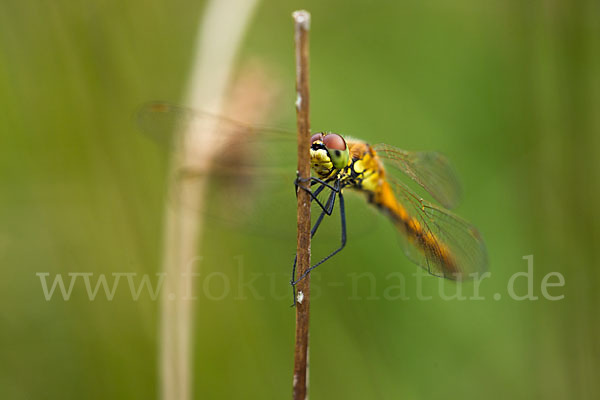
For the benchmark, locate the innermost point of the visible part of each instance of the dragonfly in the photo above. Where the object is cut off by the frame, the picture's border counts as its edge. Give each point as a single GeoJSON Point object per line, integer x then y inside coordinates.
{"type": "Point", "coordinates": [431, 236]}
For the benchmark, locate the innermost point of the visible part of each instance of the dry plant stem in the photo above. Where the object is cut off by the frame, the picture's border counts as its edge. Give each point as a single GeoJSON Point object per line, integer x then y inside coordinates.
{"type": "Point", "coordinates": [183, 223]}
{"type": "Point", "coordinates": [300, 379]}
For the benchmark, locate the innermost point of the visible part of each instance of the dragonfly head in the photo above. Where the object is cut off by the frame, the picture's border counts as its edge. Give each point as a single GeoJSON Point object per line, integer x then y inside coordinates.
{"type": "Point", "coordinates": [329, 151]}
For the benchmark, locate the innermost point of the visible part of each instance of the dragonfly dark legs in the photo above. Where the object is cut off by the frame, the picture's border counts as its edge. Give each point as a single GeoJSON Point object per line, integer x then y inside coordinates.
{"type": "Point", "coordinates": [326, 209]}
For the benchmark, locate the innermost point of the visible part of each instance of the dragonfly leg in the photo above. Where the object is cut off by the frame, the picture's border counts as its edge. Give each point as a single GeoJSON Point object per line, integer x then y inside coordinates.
{"type": "Point", "coordinates": [314, 194]}
{"type": "Point", "coordinates": [343, 241]}
{"type": "Point", "coordinates": [330, 203]}
{"type": "Point", "coordinates": [328, 209]}
{"type": "Point", "coordinates": [314, 180]}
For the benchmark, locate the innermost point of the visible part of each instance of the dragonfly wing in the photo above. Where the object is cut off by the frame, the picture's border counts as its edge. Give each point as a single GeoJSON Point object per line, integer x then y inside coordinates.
{"type": "Point", "coordinates": [443, 243]}
{"type": "Point", "coordinates": [431, 170]}
{"type": "Point", "coordinates": [252, 168]}
{"type": "Point", "coordinates": [241, 148]}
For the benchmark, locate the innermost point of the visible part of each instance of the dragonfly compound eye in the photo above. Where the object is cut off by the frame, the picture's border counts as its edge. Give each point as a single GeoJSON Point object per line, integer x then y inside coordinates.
{"type": "Point", "coordinates": [337, 149]}
{"type": "Point", "coordinates": [315, 137]}
{"type": "Point", "coordinates": [333, 141]}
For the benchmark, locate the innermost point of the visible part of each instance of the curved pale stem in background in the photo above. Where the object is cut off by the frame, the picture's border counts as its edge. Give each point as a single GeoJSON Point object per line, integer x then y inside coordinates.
{"type": "Point", "coordinates": [220, 33]}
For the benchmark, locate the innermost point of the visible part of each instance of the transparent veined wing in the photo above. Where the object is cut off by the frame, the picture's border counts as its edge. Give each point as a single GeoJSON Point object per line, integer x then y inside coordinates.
{"type": "Point", "coordinates": [239, 146]}
{"type": "Point", "coordinates": [252, 172]}
{"type": "Point", "coordinates": [431, 170]}
{"type": "Point", "coordinates": [434, 238]}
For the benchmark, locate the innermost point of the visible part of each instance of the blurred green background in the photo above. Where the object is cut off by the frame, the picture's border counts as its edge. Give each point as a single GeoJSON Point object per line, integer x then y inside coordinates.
{"type": "Point", "coordinates": [509, 90]}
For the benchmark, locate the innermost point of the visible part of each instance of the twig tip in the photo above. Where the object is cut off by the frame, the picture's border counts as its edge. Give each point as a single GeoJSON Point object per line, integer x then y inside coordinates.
{"type": "Point", "coordinates": [302, 18]}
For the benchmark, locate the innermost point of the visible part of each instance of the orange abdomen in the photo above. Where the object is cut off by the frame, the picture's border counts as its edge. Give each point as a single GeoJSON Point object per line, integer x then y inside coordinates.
{"type": "Point", "coordinates": [414, 230]}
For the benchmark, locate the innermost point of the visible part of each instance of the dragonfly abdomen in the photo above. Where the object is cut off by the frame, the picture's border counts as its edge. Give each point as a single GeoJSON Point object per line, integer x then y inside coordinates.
{"type": "Point", "coordinates": [415, 231]}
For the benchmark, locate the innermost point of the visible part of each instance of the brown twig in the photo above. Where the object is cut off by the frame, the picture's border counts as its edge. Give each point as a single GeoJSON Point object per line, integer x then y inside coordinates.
{"type": "Point", "coordinates": [302, 26]}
